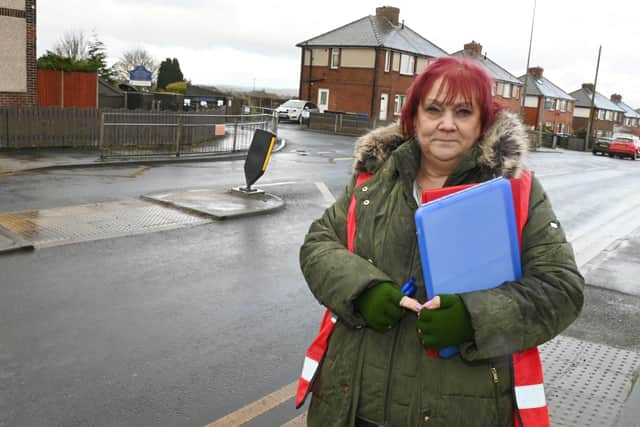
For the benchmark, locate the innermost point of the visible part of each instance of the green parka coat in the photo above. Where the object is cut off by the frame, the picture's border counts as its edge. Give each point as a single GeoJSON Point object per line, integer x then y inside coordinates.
{"type": "Point", "coordinates": [386, 378]}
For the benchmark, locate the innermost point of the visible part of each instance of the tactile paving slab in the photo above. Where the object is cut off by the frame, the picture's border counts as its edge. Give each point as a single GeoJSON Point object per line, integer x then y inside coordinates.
{"type": "Point", "coordinates": [586, 384]}
{"type": "Point", "coordinates": [60, 226]}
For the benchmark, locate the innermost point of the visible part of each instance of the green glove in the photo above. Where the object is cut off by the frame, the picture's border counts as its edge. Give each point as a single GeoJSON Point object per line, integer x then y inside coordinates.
{"type": "Point", "coordinates": [380, 306]}
{"type": "Point", "coordinates": [445, 326]}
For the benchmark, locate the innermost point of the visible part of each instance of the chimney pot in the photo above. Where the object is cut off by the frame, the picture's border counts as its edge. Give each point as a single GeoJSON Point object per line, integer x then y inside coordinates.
{"type": "Point", "coordinates": [588, 86]}
{"type": "Point", "coordinates": [389, 12]}
{"type": "Point", "coordinates": [536, 72]}
{"type": "Point", "coordinates": [473, 49]}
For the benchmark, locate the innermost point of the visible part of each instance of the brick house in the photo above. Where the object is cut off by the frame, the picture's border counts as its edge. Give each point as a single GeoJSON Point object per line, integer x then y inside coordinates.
{"type": "Point", "coordinates": [631, 121]}
{"type": "Point", "coordinates": [606, 114]}
{"type": "Point", "coordinates": [507, 88]}
{"type": "Point", "coordinates": [546, 103]}
{"type": "Point", "coordinates": [365, 67]}
{"type": "Point", "coordinates": [17, 53]}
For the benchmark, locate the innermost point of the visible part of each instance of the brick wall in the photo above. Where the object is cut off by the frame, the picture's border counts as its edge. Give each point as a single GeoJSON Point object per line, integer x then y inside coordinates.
{"type": "Point", "coordinates": [24, 98]}
{"type": "Point", "coordinates": [349, 88]}
{"type": "Point", "coordinates": [603, 125]}
{"type": "Point", "coordinates": [512, 104]}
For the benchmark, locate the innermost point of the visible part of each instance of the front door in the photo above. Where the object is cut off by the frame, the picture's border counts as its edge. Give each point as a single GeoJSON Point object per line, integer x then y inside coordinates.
{"type": "Point", "coordinates": [323, 100]}
{"type": "Point", "coordinates": [384, 102]}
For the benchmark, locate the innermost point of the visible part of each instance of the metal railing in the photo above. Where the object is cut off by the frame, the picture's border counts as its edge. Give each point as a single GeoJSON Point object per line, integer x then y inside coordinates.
{"type": "Point", "coordinates": [127, 134]}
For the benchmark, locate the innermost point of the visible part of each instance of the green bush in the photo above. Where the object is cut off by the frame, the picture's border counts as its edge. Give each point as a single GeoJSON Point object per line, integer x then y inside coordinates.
{"type": "Point", "coordinates": [52, 61]}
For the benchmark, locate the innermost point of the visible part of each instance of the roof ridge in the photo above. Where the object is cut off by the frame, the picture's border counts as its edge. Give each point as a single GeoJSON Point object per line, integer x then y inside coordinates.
{"type": "Point", "coordinates": [331, 31]}
{"type": "Point", "coordinates": [374, 27]}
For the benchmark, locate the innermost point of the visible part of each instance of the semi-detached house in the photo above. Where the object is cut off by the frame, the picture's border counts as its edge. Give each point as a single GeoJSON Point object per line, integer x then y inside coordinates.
{"type": "Point", "coordinates": [547, 104]}
{"type": "Point", "coordinates": [606, 114]}
{"type": "Point", "coordinates": [365, 67]}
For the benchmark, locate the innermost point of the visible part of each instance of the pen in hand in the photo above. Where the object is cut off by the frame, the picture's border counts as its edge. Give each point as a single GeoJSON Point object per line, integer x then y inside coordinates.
{"type": "Point", "coordinates": [408, 289]}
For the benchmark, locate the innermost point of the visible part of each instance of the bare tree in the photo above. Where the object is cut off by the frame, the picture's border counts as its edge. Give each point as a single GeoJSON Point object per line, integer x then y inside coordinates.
{"type": "Point", "coordinates": [73, 45]}
{"type": "Point", "coordinates": [131, 59]}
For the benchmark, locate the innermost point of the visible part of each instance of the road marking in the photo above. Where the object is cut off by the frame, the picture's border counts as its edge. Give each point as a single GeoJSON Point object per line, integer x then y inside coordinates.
{"type": "Point", "coordinates": [343, 158]}
{"type": "Point", "coordinates": [139, 171]}
{"type": "Point", "coordinates": [299, 421]}
{"type": "Point", "coordinates": [328, 197]}
{"type": "Point", "coordinates": [273, 184]}
{"type": "Point", "coordinates": [257, 408]}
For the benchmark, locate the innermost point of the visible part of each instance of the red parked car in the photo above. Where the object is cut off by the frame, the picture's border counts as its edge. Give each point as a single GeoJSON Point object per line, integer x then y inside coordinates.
{"type": "Point", "coordinates": [623, 146]}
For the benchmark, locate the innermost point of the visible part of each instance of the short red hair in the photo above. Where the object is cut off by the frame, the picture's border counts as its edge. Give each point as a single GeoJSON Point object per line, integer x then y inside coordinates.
{"type": "Point", "coordinates": [460, 76]}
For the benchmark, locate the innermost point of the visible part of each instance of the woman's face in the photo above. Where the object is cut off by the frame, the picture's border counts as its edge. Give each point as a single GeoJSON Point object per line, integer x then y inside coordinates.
{"type": "Point", "coordinates": [446, 132]}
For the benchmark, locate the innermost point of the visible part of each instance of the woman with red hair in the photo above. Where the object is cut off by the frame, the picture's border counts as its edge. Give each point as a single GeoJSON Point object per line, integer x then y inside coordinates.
{"type": "Point", "coordinates": [375, 371]}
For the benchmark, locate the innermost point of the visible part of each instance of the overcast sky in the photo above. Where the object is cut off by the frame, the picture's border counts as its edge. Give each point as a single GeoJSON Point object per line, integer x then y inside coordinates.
{"type": "Point", "coordinates": [234, 42]}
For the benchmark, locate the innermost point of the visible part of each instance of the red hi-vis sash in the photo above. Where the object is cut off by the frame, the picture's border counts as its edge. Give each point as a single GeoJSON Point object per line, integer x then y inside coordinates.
{"type": "Point", "coordinates": [318, 347]}
{"type": "Point", "coordinates": [530, 402]}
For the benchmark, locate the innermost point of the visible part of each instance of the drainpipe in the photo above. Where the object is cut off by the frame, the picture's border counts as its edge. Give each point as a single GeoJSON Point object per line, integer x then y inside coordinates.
{"type": "Point", "coordinates": [374, 119]}
{"type": "Point", "coordinates": [310, 74]}
{"type": "Point", "coordinates": [301, 73]}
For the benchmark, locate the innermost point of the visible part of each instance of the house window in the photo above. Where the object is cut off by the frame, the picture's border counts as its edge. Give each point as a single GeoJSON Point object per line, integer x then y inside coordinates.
{"type": "Point", "coordinates": [561, 127]}
{"type": "Point", "coordinates": [335, 58]}
{"type": "Point", "coordinates": [399, 102]}
{"type": "Point", "coordinates": [548, 103]}
{"type": "Point", "coordinates": [515, 91]}
{"type": "Point", "coordinates": [608, 115]}
{"type": "Point", "coordinates": [494, 89]}
{"type": "Point", "coordinates": [499, 88]}
{"type": "Point", "coordinates": [563, 105]}
{"type": "Point", "coordinates": [407, 65]}
{"type": "Point", "coordinates": [507, 90]}
{"type": "Point", "coordinates": [387, 61]}
{"type": "Point", "coordinates": [600, 114]}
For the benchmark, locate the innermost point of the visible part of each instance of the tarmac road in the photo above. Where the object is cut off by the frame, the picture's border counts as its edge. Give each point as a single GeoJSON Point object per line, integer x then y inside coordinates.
{"type": "Point", "coordinates": [185, 326]}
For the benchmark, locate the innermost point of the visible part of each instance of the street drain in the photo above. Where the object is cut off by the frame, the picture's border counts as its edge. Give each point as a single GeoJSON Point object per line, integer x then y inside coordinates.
{"type": "Point", "coordinates": [61, 226]}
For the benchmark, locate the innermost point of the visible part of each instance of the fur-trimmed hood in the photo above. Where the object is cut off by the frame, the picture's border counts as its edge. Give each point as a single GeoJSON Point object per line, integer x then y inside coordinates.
{"type": "Point", "coordinates": [502, 149]}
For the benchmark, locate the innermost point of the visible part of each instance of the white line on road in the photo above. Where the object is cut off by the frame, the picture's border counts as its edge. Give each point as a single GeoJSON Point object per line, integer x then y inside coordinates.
{"type": "Point", "coordinates": [328, 197]}
{"type": "Point", "coordinates": [274, 184]}
{"type": "Point", "coordinates": [257, 408]}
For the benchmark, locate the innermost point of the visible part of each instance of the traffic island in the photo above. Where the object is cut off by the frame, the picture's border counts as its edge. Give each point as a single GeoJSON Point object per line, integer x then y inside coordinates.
{"type": "Point", "coordinates": [218, 204]}
{"type": "Point", "coordinates": [11, 242]}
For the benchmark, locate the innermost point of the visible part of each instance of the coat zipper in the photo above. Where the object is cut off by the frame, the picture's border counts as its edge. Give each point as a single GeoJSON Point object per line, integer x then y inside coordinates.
{"type": "Point", "coordinates": [496, 380]}
{"type": "Point", "coordinates": [396, 332]}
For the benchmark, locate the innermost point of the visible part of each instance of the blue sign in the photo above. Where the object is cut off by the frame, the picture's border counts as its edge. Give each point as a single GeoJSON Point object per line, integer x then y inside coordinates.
{"type": "Point", "coordinates": [140, 73]}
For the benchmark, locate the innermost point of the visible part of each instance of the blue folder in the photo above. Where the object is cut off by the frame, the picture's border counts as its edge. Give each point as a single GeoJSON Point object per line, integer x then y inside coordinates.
{"type": "Point", "coordinates": [468, 241]}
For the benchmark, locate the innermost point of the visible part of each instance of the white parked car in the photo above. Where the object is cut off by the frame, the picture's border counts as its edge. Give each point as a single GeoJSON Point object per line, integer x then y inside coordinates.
{"type": "Point", "coordinates": [292, 109]}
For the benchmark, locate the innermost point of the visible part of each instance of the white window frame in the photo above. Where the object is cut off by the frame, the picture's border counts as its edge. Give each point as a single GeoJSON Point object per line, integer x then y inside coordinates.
{"type": "Point", "coordinates": [407, 65]}
{"type": "Point", "coordinates": [335, 58]}
{"type": "Point", "coordinates": [387, 61]}
{"type": "Point", "coordinates": [515, 91]}
{"type": "Point", "coordinates": [507, 90]}
{"type": "Point", "coordinates": [398, 103]}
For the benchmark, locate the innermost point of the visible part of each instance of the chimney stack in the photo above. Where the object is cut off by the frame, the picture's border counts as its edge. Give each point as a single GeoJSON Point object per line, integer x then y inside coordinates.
{"type": "Point", "coordinates": [536, 72]}
{"type": "Point", "coordinates": [616, 99]}
{"type": "Point", "coordinates": [389, 12]}
{"type": "Point", "coordinates": [588, 86]}
{"type": "Point", "coordinates": [473, 49]}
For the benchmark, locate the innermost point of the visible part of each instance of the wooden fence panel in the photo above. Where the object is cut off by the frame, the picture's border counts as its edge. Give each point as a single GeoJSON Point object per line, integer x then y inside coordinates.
{"type": "Point", "coordinates": [49, 128]}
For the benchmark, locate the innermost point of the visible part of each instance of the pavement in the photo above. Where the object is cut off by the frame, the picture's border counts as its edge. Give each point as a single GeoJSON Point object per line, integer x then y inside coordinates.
{"type": "Point", "coordinates": [230, 203]}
